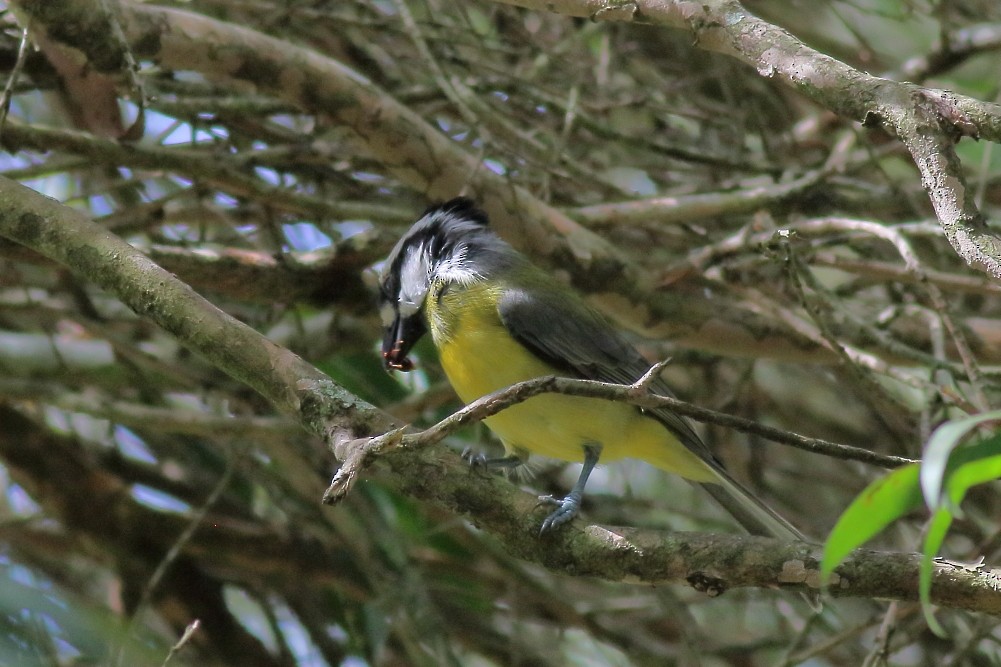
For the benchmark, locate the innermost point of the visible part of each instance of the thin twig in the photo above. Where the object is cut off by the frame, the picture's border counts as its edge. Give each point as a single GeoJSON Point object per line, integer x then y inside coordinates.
{"type": "Point", "coordinates": [15, 72]}
{"type": "Point", "coordinates": [189, 632]}
{"type": "Point", "coordinates": [171, 556]}
{"type": "Point", "coordinates": [914, 266]}
{"type": "Point", "coordinates": [358, 454]}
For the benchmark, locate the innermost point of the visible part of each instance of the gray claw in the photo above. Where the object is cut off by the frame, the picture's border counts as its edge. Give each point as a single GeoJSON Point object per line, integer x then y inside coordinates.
{"type": "Point", "coordinates": [477, 460]}
{"type": "Point", "coordinates": [567, 508]}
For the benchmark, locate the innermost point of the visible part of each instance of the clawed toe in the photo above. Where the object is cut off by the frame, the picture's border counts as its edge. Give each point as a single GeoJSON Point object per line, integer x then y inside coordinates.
{"type": "Point", "coordinates": [474, 457]}
{"type": "Point", "coordinates": [477, 460]}
{"type": "Point", "coordinates": [566, 509]}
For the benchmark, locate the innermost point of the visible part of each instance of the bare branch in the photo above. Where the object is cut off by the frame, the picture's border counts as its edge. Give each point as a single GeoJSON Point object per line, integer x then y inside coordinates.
{"type": "Point", "coordinates": [360, 453]}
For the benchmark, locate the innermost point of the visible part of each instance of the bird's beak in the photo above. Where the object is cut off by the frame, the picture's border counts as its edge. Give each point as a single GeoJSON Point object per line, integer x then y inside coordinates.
{"type": "Point", "coordinates": [399, 338]}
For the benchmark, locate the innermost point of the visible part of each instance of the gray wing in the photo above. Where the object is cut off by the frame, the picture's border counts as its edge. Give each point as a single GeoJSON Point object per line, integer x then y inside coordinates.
{"type": "Point", "coordinates": [574, 338]}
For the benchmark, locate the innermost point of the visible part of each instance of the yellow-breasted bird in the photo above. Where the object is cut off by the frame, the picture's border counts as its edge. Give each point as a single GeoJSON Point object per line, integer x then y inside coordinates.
{"type": "Point", "coordinates": [496, 319]}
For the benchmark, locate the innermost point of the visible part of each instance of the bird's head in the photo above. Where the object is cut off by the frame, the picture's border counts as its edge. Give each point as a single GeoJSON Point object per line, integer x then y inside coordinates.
{"type": "Point", "coordinates": [449, 245]}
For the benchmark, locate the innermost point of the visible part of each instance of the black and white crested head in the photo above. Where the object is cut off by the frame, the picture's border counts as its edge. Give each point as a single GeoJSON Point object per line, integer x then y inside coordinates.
{"type": "Point", "coordinates": [450, 244]}
{"type": "Point", "coordinates": [436, 247]}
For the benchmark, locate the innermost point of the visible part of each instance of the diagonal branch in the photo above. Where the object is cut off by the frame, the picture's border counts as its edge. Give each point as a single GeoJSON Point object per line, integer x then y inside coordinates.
{"type": "Point", "coordinates": [292, 385]}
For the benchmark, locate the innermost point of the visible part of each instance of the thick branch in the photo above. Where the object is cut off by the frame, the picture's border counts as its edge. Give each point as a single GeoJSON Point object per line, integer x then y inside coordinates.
{"type": "Point", "coordinates": [713, 563]}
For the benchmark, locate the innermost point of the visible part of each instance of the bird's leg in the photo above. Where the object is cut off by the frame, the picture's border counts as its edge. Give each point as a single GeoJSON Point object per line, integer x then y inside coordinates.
{"type": "Point", "coordinates": [568, 507]}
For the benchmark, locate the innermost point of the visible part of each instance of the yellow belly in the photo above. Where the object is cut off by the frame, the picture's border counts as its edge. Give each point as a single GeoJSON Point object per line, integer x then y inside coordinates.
{"type": "Point", "coordinates": [483, 358]}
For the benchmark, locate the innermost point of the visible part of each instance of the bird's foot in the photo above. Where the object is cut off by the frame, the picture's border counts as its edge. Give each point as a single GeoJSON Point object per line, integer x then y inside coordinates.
{"type": "Point", "coordinates": [479, 462]}
{"type": "Point", "coordinates": [476, 460]}
{"type": "Point", "coordinates": [566, 509]}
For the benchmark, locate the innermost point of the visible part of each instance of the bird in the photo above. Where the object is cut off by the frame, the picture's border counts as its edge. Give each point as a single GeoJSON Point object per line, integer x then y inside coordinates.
{"type": "Point", "coordinates": [497, 319]}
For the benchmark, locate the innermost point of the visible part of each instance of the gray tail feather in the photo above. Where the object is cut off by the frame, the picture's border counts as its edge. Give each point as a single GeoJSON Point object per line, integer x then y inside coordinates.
{"type": "Point", "coordinates": [756, 517]}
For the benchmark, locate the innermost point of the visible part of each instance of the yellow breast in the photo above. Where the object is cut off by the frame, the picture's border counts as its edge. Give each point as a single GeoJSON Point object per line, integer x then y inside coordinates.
{"type": "Point", "coordinates": [479, 357]}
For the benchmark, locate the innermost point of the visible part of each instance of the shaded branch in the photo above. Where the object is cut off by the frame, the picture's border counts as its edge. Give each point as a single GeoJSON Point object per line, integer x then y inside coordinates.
{"type": "Point", "coordinates": [89, 69]}
{"type": "Point", "coordinates": [953, 48]}
{"type": "Point", "coordinates": [186, 421]}
{"type": "Point", "coordinates": [323, 277]}
{"type": "Point", "coordinates": [212, 167]}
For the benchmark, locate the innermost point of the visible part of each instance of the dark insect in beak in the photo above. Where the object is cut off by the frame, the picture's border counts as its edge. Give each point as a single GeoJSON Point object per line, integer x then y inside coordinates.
{"type": "Point", "coordinates": [399, 338]}
{"type": "Point", "coordinates": [397, 360]}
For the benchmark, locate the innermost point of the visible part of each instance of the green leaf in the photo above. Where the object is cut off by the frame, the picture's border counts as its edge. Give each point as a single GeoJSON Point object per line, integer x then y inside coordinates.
{"type": "Point", "coordinates": [976, 464]}
{"type": "Point", "coordinates": [981, 464]}
{"type": "Point", "coordinates": [883, 501]}
{"type": "Point", "coordinates": [937, 529]}
{"type": "Point", "coordinates": [943, 441]}
{"type": "Point", "coordinates": [900, 492]}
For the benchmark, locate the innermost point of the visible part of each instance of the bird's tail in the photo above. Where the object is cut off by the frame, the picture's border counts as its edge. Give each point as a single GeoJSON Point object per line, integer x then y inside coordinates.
{"type": "Point", "coordinates": [756, 517]}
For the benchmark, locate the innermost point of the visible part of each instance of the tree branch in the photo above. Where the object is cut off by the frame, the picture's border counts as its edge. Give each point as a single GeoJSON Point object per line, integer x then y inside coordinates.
{"type": "Point", "coordinates": [292, 385]}
{"type": "Point", "coordinates": [713, 563]}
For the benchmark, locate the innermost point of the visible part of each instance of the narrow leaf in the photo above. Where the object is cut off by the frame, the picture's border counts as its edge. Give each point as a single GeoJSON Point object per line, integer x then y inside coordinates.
{"type": "Point", "coordinates": [943, 441]}
{"type": "Point", "coordinates": [968, 475]}
{"type": "Point", "coordinates": [976, 464]}
{"type": "Point", "coordinates": [937, 529]}
{"type": "Point", "coordinates": [883, 501]}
